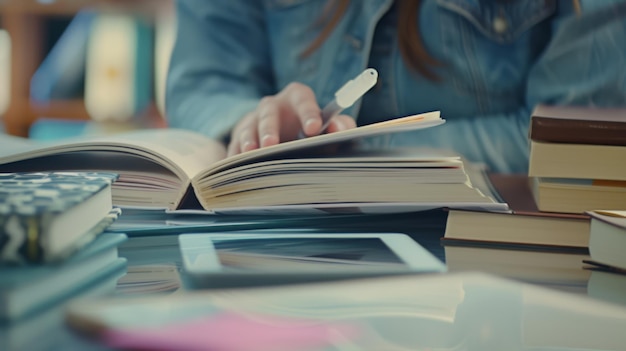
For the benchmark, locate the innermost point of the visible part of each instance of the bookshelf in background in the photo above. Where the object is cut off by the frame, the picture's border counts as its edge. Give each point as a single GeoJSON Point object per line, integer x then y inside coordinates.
{"type": "Point", "coordinates": [25, 21]}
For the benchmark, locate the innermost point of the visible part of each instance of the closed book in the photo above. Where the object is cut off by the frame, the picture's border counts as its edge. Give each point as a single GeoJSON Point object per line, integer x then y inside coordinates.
{"type": "Point", "coordinates": [582, 161]}
{"type": "Point", "coordinates": [578, 195]}
{"type": "Point", "coordinates": [607, 238]}
{"type": "Point", "coordinates": [578, 125]}
{"type": "Point", "coordinates": [524, 225]}
{"type": "Point", "coordinates": [27, 289]}
{"type": "Point", "coordinates": [45, 216]}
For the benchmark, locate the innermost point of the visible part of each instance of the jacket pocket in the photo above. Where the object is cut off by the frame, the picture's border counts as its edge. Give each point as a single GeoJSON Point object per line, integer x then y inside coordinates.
{"type": "Point", "coordinates": [489, 47]}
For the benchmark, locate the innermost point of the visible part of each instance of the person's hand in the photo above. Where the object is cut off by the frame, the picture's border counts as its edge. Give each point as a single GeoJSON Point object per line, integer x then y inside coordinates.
{"type": "Point", "coordinates": [279, 118]}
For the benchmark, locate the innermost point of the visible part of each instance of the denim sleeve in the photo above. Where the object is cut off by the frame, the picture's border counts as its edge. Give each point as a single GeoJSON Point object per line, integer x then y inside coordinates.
{"type": "Point", "coordinates": [584, 64]}
{"type": "Point", "coordinates": [220, 65]}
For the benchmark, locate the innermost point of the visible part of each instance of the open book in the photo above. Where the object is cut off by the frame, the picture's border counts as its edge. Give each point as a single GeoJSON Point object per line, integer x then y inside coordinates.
{"type": "Point", "coordinates": [177, 169]}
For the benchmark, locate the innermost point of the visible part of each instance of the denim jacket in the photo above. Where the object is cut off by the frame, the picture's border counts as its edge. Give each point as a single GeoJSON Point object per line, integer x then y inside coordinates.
{"type": "Point", "coordinates": [500, 58]}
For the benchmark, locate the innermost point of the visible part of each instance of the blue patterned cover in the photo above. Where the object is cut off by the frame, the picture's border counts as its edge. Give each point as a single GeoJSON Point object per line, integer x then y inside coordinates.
{"type": "Point", "coordinates": [29, 202]}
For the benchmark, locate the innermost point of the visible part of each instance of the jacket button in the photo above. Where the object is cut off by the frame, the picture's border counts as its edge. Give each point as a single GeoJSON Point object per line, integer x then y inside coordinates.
{"type": "Point", "coordinates": [500, 25]}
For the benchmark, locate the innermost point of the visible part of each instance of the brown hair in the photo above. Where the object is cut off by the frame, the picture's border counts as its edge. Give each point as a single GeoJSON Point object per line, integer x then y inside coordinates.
{"type": "Point", "coordinates": [409, 39]}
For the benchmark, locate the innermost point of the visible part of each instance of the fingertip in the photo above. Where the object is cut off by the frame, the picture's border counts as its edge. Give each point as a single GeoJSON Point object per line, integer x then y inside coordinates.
{"type": "Point", "coordinates": [347, 121]}
{"type": "Point", "coordinates": [248, 145]}
{"type": "Point", "coordinates": [269, 140]}
{"type": "Point", "coordinates": [312, 126]}
{"type": "Point", "coordinates": [341, 123]}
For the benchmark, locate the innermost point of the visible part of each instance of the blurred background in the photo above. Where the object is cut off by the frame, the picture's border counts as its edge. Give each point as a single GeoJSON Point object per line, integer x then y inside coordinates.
{"type": "Point", "coordinates": [72, 67]}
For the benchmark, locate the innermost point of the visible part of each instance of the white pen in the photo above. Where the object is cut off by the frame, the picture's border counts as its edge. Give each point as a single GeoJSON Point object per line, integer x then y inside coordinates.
{"type": "Point", "coordinates": [346, 96]}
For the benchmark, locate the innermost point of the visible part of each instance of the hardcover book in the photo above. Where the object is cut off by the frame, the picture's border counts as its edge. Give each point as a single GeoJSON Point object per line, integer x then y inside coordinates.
{"type": "Point", "coordinates": [25, 290]}
{"type": "Point", "coordinates": [524, 225]}
{"type": "Point", "coordinates": [582, 161]}
{"type": "Point", "coordinates": [45, 216]}
{"type": "Point", "coordinates": [177, 169]}
{"type": "Point", "coordinates": [607, 242]}
{"type": "Point", "coordinates": [578, 195]}
{"type": "Point", "coordinates": [578, 125]}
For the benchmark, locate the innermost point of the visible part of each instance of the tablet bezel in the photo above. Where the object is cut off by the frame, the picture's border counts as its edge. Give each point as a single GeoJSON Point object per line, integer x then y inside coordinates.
{"type": "Point", "coordinates": [202, 267]}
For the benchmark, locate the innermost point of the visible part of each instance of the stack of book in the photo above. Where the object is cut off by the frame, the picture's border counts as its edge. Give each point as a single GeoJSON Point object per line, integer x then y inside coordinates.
{"type": "Point", "coordinates": [577, 158]}
{"type": "Point", "coordinates": [525, 244]}
{"type": "Point", "coordinates": [575, 166]}
{"type": "Point", "coordinates": [31, 289]}
{"type": "Point", "coordinates": [524, 225]}
{"type": "Point", "coordinates": [50, 238]}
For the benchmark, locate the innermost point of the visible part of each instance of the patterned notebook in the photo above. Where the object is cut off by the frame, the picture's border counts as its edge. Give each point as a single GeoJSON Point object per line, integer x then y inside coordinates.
{"type": "Point", "coordinates": [36, 224]}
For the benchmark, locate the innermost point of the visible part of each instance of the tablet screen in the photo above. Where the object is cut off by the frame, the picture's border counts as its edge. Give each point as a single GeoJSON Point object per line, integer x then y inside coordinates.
{"type": "Point", "coordinates": [304, 253]}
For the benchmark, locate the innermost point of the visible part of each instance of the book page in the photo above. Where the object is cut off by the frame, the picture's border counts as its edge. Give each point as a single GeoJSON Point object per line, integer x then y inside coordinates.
{"type": "Point", "coordinates": [185, 153]}
{"type": "Point", "coordinates": [421, 121]}
{"type": "Point", "coordinates": [10, 145]}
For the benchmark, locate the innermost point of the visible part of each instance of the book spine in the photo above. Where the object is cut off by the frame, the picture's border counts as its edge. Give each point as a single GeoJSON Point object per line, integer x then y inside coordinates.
{"type": "Point", "coordinates": [596, 132]}
{"type": "Point", "coordinates": [19, 238]}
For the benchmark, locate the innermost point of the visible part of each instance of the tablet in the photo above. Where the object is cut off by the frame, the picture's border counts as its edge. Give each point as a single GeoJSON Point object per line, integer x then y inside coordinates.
{"type": "Point", "coordinates": [237, 259]}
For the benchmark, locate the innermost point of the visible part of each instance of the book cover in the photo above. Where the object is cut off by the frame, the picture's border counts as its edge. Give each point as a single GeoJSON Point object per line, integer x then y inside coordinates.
{"type": "Point", "coordinates": [43, 215]}
{"type": "Point", "coordinates": [578, 125]}
{"type": "Point", "coordinates": [26, 289]}
{"type": "Point", "coordinates": [525, 224]}
{"type": "Point", "coordinates": [607, 238]}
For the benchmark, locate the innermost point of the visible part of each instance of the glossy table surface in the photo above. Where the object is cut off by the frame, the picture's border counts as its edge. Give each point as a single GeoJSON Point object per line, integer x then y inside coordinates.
{"type": "Point", "coordinates": [492, 315]}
